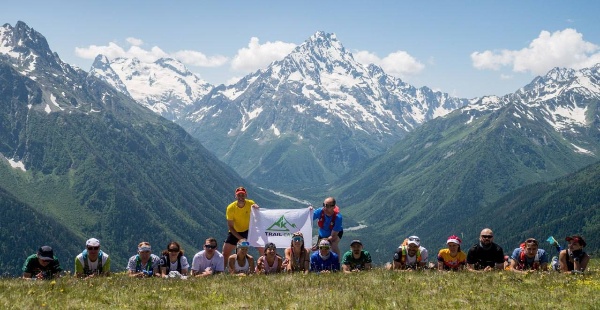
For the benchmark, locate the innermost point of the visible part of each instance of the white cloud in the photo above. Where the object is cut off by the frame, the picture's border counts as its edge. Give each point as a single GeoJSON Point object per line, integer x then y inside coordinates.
{"type": "Point", "coordinates": [134, 41]}
{"type": "Point", "coordinates": [559, 49]}
{"type": "Point", "coordinates": [199, 59]}
{"type": "Point", "coordinates": [257, 55]}
{"type": "Point", "coordinates": [113, 50]}
{"type": "Point", "coordinates": [399, 63]}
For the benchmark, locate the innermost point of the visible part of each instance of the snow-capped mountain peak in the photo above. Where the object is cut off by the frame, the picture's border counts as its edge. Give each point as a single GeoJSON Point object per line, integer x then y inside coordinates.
{"type": "Point", "coordinates": [28, 48]}
{"type": "Point", "coordinates": [316, 95]}
{"type": "Point", "coordinates": [165, 86]}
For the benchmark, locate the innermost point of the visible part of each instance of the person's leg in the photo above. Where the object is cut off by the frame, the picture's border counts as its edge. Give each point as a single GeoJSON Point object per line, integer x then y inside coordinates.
{"type": "Point", "coordinates": [228, 246]}
{"type": "Point", "coordinates": [335, 247]}
{"type": "Point", "coordinates": [227, 249]}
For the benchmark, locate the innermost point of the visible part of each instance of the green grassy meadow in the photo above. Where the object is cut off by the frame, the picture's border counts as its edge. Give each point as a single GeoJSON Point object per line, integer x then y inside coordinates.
{"type": "Point", "coordinates": [376, 289]}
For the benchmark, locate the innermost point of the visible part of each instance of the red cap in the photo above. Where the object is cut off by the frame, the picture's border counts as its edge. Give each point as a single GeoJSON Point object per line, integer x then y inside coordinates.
{"type": "Point", "coordinates": [577, 239]}
{"type": "Point", "coordinates": [240, 190]}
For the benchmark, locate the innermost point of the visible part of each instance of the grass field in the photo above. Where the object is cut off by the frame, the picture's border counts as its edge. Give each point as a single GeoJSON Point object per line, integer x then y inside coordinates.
{"type": "Point", "coordinates": [376, 289]}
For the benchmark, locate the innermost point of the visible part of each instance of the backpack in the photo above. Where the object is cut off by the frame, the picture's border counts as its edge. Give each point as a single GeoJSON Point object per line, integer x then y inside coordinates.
{"type": "Point", "coordinates": [405, 253]}
{"type": "Point", "coordinates": [522, 259]}
{"type": "Point", "coordinates": [165, 260]}
{"type": "Point", "coordinates": [138, 265]}
{"type": "Point", "coordinates": [321, 222]}
{"type": "Point", "coordinates": [86, 266]}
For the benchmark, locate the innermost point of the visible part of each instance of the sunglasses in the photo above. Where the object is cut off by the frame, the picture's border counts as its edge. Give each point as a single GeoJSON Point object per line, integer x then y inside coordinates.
{"type": "Point", "coordinates": [173, 250]}
{"type": "Point", "coordinates": [532, 241]}
{"type": "Point", "coordinates": [324, 247]}
{"type": "Point", "coordinates": [93, 248]}
{"type": "Point", "coordinates": [487, 236]}
{"type": "Point", "coordinates": [298, 239]}
{"type": "Point", "coordinates": [210, 246]}
{"type": "Point", "coordinates": [244, 244]}
{"type": "Point", "coordinates": [328, 206]}
{"type": "Point", "coordinates": [414, 239]}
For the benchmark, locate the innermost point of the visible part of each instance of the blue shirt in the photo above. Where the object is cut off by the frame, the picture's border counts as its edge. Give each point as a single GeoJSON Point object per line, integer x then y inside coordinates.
{"type": "Point", "coordinates": [542, 256]}
{"type": "Point", "coordinates": [318, 264]}
{"type": "Point", "coordinates": [325, 231]}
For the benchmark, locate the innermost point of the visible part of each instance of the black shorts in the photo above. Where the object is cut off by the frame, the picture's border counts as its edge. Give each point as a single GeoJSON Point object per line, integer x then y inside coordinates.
{"type": "Point", "coordinates": [231, 239]}
{"type": "Point", "coordinates": [340, 233]}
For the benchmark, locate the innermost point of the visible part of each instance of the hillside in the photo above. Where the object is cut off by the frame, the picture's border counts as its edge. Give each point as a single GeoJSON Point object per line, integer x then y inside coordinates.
{"type": "Point", "coordinates": [86, 156]}
{"type": "Point", "coordinates": [562, 207]}
{"type": "Point", "coordinates": [452, 169]}
{"type": "Point", "coordinates": [24, 230]}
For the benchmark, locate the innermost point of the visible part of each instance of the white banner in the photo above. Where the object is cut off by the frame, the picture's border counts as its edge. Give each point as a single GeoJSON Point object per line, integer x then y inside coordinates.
{"type": "Point", "coordinates": [278, 225]}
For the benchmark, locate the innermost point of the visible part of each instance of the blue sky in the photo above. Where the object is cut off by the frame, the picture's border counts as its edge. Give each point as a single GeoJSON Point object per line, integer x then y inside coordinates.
{"type": "Point", "coordinates": [465, 48]}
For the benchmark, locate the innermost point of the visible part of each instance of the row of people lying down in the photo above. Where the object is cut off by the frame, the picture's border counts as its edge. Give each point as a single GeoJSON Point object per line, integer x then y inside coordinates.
{"type": "Point", "coordinates": [483, 256]}
{"type": "Point", "coordinates": [297, 259]}
{"type": "Point", "coordinates": [173, 263]}
{"type": "Point", "coordinates": [487, 255]}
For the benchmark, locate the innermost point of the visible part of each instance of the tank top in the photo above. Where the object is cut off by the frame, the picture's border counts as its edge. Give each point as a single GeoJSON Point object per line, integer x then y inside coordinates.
{"type": "Point", "coordinates": [272, 268]}
{"type": "Point", "coordinates": [298, 261]}
{"type": "Point", "coordinates": [240, 269]}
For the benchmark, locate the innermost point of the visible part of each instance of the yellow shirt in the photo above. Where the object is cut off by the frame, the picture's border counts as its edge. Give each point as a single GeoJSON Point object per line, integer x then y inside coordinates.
{"type": "Point", "coordinates": [452, 262]}
{"type": "Point", "coordinates": [240, 216]}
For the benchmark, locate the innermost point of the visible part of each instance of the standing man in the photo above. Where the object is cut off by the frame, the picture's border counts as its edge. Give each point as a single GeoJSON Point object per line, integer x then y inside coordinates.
{"type": "Point", "coordinates": [92, 261]}
{"type": "Point", "coordinates": [330, 224]}
{"type": "Point", "coordinates": [208, 261]}
{"type": "Point", "coordinates": [41, 266]}
{"type": "Point", "coordinates": [486, 255]}
{"type": "Point", "coordinates": [238, 222]}
{"type": "Point", "coordinates": [356, 259]}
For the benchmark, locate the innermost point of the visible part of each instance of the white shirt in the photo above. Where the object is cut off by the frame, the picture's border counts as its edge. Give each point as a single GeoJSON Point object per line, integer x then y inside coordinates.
{"type": "Point", "coordinates": [200, 262]}
{"type": "Point", "coordinates": [184, 264]}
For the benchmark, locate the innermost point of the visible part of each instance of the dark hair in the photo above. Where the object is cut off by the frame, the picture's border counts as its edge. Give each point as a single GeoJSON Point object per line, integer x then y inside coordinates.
{"type": "Point", "coordinates": [166, 252]}
{"type": "Point", "coordinates": [211, 240]}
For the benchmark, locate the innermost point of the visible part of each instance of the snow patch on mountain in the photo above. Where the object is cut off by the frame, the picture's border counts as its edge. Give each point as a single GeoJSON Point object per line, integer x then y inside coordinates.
{"type": "Point", "coordinates": [582, 150]}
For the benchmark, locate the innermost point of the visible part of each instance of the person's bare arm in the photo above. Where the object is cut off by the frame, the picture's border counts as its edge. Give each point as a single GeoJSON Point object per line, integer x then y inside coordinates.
{"type": "Point", "coordinates": [232, 230]}
{"type": "Point", "coordinates": [562, 260]}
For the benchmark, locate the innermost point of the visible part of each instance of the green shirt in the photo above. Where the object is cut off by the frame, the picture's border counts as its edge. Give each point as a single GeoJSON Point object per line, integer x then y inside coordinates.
{"type": "Point", "coordinates": [33, 267]}
{"type": "Point", "coordinates": [356, 263]}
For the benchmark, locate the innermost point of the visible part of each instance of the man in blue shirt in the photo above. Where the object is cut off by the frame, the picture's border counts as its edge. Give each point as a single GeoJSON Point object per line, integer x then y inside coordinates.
{"type": "Point", "coordinates": [330, 224]}
{"type": "Point", "coordinates": [324, 260]}
{"type": "Point", "coordinates": [529, 257]}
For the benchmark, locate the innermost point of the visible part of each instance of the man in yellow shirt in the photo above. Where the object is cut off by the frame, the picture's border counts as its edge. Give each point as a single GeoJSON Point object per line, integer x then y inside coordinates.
{"type": "Point", "coordinates": [238, 221]}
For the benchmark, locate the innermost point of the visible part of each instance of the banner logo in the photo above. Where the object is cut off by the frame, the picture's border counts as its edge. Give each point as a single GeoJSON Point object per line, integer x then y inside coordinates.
{"type": "Point", "coordinates": [281, 225]}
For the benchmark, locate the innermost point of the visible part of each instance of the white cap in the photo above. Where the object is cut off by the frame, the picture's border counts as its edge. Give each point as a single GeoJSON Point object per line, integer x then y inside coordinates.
{"type": "Point", "coordinates": [324, 242]}
{"type": "Point", "coordinates": [453, 241]}
{"type": "Point", "coordinates": [415, 242]}
{"type": "Point", "coordinates": [92, 242]}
